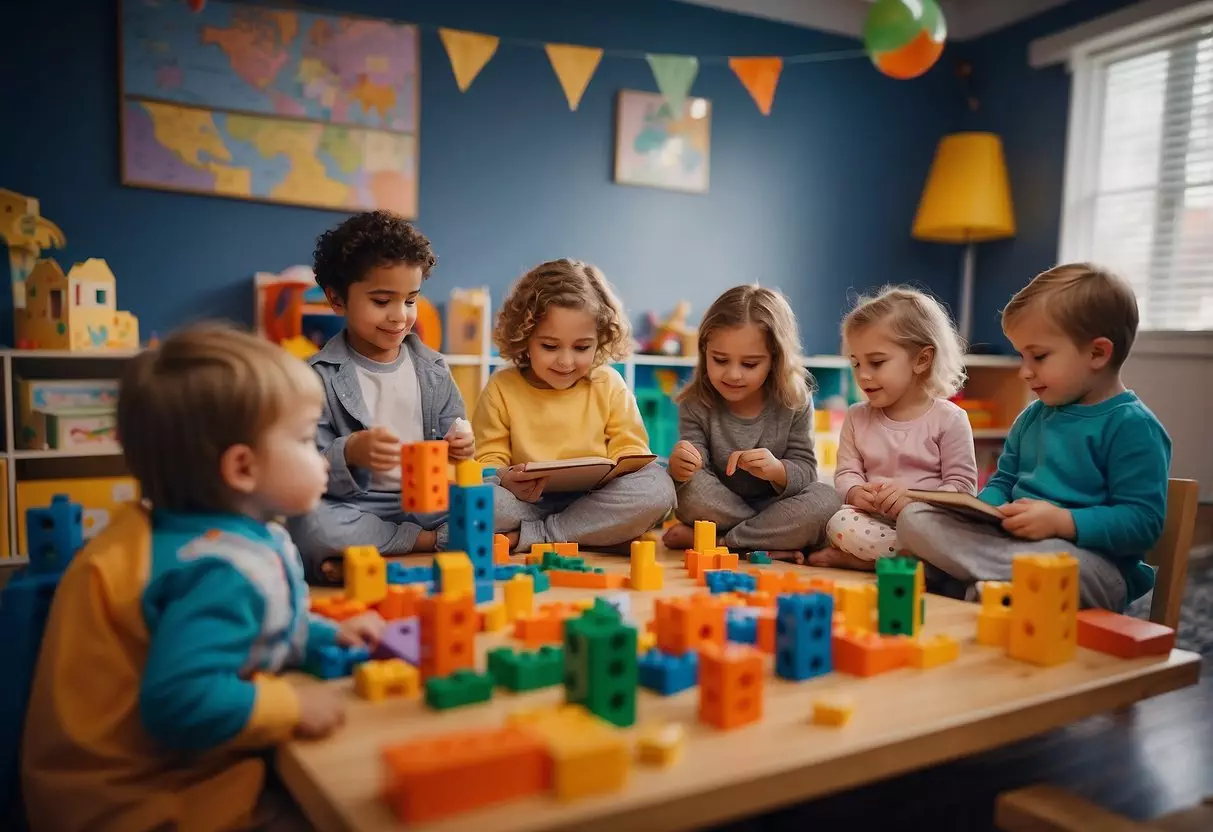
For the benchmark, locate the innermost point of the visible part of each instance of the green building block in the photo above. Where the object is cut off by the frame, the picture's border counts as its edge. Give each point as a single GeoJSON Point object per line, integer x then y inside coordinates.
{"type": "Point", "coordinates": [899, 596]}
{"type": "Point", "coordinates": [527, 670]}
{"type": "Point", "coordinates": [551, 560]}
{"type": "Point", "coordinates": [759, 557]}
{"type": "Point", "coordinates": [600, 664]}
{"type": "Point", "coordinates": [463, 687]}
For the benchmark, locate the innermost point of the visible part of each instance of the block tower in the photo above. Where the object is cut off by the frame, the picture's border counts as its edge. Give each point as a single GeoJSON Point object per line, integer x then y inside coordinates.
{"type": "Point", "coordinates": [1044, 610]}
{"type": "Point", "coordinates": [899, 596]}
{"type": "Point", "coordinates": [471, 525]}
{"type": "Point", "coordinates": [600, 670]}
{"type": "Point", "coordinates": [803, 635]}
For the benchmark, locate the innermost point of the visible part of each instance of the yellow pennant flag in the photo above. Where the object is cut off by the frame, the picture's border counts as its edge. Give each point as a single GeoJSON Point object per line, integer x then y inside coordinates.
{"type": "Point", "coordinates": [760, 76]}
{"type": "Point", "coordinates": [574, 66]}
{"type": "Point", "coordinates": [469, 52]}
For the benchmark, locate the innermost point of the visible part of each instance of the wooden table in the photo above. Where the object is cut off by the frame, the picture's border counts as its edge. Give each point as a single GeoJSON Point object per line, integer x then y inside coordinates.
{"type": "Point", "coordinates": [904, 720]}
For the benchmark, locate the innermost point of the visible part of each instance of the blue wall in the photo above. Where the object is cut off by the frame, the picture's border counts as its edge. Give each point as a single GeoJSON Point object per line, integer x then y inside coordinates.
{"type": "Point", "coordinates": [816, 199]}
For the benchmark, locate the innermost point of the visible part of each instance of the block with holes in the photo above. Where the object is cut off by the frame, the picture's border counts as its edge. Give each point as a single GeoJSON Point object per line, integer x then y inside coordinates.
{"type": "Point", "coordinates": [471, 527]}
{"type": "Point", "coordinates": [424, 477]}
{"type": "Point", "coordinates": [1044, 615]}
{"type": "Point", "coordinates": [54, 534]}
{"type": "Point", "coordinates": [857, 603]}
{"type": "Point", "coordinates": [380, 679]}
{"type": "Point", "coordinates": [994, 619]}
{"type": "Point", "coordinates": [730, 685]}
{"type": "Point", "coordinates": [400, 601]}
{"type": "Point", "coordinates": [803, 627]}
{"type": "Point", "coordinates": [448, 631]}
{"type": "Point", "coordinates": [686, 623]}
{"type": "Point", "coordinates": [899, 596]}
{"type": "Point", "coordinates": [452, 574]}
{"type": "Point", "coordinates": [600, 664]}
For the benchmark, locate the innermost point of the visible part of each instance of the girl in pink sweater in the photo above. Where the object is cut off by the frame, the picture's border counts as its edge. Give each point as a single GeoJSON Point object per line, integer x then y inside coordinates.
{"type": "Point", "coordinates": [908, 361]}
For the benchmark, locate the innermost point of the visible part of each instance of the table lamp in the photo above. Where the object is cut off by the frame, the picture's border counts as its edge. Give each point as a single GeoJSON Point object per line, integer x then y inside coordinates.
{"type": "Point", "coordinates": [967, 200]}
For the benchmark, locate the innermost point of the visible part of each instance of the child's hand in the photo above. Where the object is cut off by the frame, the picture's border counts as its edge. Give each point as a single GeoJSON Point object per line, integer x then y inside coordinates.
{"type": "Point", "coordinates": [529, 491]}
{"type": "Point", "coordinates": [684, 461]}
{"type": "Point", "coordinates": [891, 499]}
{"type": "Point", "coordinates": [863, 497]}
{"type": "Point", "coordinates": [1037, 520]}
{"type": "Point", "coordinates": [377, 449]}
{"type": "Point", "coordinates": [321, 712]}
{"type": "Point", "coordinates": [362, 630]}
{"type": "Point", "coordinates": [760, 463]}
{"type": "Point", "coordinates": [460, 442]}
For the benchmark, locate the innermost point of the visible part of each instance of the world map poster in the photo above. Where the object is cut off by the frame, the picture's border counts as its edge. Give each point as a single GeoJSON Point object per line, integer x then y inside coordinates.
{"type": "Point", "coordinates": [270, 104]}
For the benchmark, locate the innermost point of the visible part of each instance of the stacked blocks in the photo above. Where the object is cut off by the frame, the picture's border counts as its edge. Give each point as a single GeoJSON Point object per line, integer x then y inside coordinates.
{"type": "Point", "coordinates": [463, 687]}
{"type": "Point", "coordinates": [900, 601]}
{"type": "Point", "coordinates": [730, 685]}
{"type": "Point", "coordinates": [424, 477]}
{"type": "Point", "coordinates": [519, 596]}
{"type": "Point", "coordinates": [646, 574]}
{"type": "Point", "coordinates": [471, 527]}
{"type": "Point", "coordinates": [448, 630]}
{"type": "Point", "coordinates": [803, 634]}
{"type": "Point", "coordinates": [1044, 617]}
{"type": "Point", "coordinates": [526, 670]}
{"type": "Point", "coordinates": [401, 601]}
{"type": "Point", "coordinates": [994, 620]}
{"type": "Point", "coordinates": [727, 580]}
{"type": "Point", "coordinates": [667, 675]}
{"type": "Point", "coordinates": [452, 572]}
{"type": "Point", "coordinates": [335, 661]}
{"type": "Point", "coordinates": [469, 472]}
{"type": "Point", "coordinates": [377, 680]}
{"type": "Point", "coordinates": [705, 536]}
{"type": "Point", "coordinates": [53, 535]}
{"type": "Point", "coordinates": [600, 664]}
{"type": "Point", "coordinates": [401, 640]}
{"type": "Point", "coordinates": [588, 756]}
{"type": "Point", "coordinates": [1122, 635]}
{"type": "Point", "coordinates": [365, 574]}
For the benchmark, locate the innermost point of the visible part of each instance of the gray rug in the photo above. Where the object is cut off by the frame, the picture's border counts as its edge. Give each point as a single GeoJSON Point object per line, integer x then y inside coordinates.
{"type": "Point", "coordinates": [1196, 614]}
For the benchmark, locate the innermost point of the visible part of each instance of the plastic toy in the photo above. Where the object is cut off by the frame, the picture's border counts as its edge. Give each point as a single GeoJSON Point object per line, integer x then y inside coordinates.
{"type": "Point", "coordinates": [335, 661]}
{"type": "Point", "coordinates": [377, 680]}
{"type": "Point", "coordinates": [589, 756]}
{"type": "Point", "coordinates": [857, 603]}
{"type": "Point", "coordinates": [742, 626]}
{"type": "Point", "coordinates": [492, 618]}
{"type": "Point", "coordinates": [401, 601]}
{"type": "Point", "coordinates": [759, 557]}
{"type": "Point", "coordinates": [728, 580]}
{"type": "Point", "coordinates": [671, 336]}
{"type": "Point", "coordinates": [994, 620]}
{"type": "Point", "coordinates": [926, 653]}
{"type": "Point", "coordinates": [621, 601]}
{"type": "Point", "coordinates": [684, 624]}
{"type": "Point", "coordinates": [468, 472]}
{"type": "Point", "coordinates": [452, 574]}
{"type": "Point", "coordinates": [661, 745]}
{"type": "Point", "coordinates": [867, 654]}
{"type": "Point", "coordinates": [1123, 636]}
{"type": "Point", "coordinates": [668, 674]}
{"type": "Point", "coordinates": [834, 711]}
{"type": "Point", "coordinates": [424, 478]}
{"type": "Point", "coordinates": [541, 627]}
{"type": "Point", "coordinates": [542, 583]}
{"type": "Point", "coordinates": [585, 580]}
{"type": "Point", "coordinates": [525, 671]}
{"type": "Point", "coordinates": [730, 685]}
{"type": "Point", "coordinates": [600, 664]}
{"type": "Point", "coordinates": [1044, 624]}
{"type": "Point", "coordinates": [26, 233]}
{"type": "Point", "coordinates": [900, 602]}
{"type": "Point", "coordinates": [803, 625]}
{"type": "Point", "coordinates": [471, 525]}
{"type": "Point", "coordinates": [365, 574]}
{"type": "Point", "coordinates": [904, 39]}
{"type": "Point", "coordinates": [337, 608]}
{"type": "Point", "coordinates": [463, 687]}
{"type": "Point", "coordinates": [645, 641]}
{"type": "Point", "coordinates": [398, 573]}
{"type": "Point", "coordinates": [705, 536]}
{"type": "Point", "coordinates": [75, 312]}
{"type": "Point", "coordinates": [448, 630]}
{"type": "Point", "coordinates": [646, 574]}
{"type": "Point", "coordinates": [501, 549]}
{"type": "Point", "coordinates": [401, 640]}
{"type": "Point", "coordinates": [519, 596]}
{"type": "Point", "coordinates": [506, 571]}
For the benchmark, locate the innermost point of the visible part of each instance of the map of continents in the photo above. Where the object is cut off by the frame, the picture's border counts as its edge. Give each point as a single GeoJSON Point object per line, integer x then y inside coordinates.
{"type": "Point", "coordinates": [281, 105]}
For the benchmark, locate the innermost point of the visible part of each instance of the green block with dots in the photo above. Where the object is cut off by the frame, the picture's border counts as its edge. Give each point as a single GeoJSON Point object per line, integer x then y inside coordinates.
{"type": "Point", "coordinates": [900, 604]}
{"type": "Point", "coordinates": [600, 664]}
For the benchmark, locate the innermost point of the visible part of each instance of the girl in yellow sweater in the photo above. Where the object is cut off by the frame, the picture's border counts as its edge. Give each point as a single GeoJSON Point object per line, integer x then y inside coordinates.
{"type": "Point", "coordinates": [560, 326]}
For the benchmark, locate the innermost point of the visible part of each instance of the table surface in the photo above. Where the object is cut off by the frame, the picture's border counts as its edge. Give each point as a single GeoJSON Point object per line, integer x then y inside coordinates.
{"type": "Point", "coordinates": [903, 720]}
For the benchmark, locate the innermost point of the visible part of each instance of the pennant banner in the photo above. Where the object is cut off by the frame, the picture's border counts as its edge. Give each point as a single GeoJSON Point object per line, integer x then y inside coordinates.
{"type": "Point", "coordinates": [760, 76]}
{"type": "Point", "coordinates": [574, 67]}
{"type": "Point", "coordinates": [469, 52]}
{"type": "Point", "coordinates": [674, 75]}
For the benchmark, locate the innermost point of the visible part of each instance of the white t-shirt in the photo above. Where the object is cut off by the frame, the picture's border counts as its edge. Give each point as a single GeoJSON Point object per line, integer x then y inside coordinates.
{"type": "Point", "coordinates": [393, 398]}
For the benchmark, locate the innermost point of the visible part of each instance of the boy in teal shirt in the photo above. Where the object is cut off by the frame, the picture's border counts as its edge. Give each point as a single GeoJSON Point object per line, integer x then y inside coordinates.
{"type": "Point", "coordinates": [1084, 469]}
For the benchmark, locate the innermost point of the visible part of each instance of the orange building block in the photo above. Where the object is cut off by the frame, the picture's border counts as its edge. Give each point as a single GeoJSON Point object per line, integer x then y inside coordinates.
{"type": "Point", "coordinates": [337, 608]}
{"type": "Point", "coordinates": [760, 599]}
{"type": "Point", "coordinates": [1120, 635]}
{"type": "Point", "coordinates": [696, 562]}
{"type": "Point", "coordinates": [766, 631]}
{"type": "Point", "coordinates": [585, 580]}
{"type": "Point", "coordinates": [730, 685]}
{"type": "Point", "coordinates": [401, 601]}
{"type": "Point", "coordinates": [726, 559]}
{"type": "Point", "coordinates": [774, 582]}
{"type": "Point", "coordinates": [501, 549]}
{"type": "Point", "coordinates": [685, 624]}
{"type": "Point", "coordinates": [424, 477]}
{"type": "Point", "coordinates": [428, 779]}
{"type": "Point", "coordinates": [448, 632]}
{"type": "Point", "coordinates": [539, 629]}
{"type": "Point", "coordinates": [867, 654]}
{"type": "Point", "coordinates": [565, 550]}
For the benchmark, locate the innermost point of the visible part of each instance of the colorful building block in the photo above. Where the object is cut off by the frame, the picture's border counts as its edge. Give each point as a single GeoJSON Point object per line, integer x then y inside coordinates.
{"type": "Point", "coordinates": [589, 756]}
{"type": "Point", "coordinates": [334, 661]}
{"type": "Point", "coordinates": [931, 652]}
{"type": "Point", "coordinates": [380, 679]}
{"type": "Point", "coordinates": [585, 580]}
{"type": "Point", "coordinates": [857, 603]}
{"type": "Point", "coordinates": [452, 574]}
{"type": "Point", "coordinates": [1123, 636]}
{"type": "Point", "coordinates": [899, 596]}
{"type": "Point", "coordinates": [621, 601]}
{"type": "Point", "coordinates": [687, 623]}
{"type": "Point", "coordinates": [519, 596]}
{"type": "Point", "coordinates": [555, 560]}
{"type": "Point", "coordinates": [524, 670]}
{"type": "Point", "coordinates": [646, 573]}
{"type": "Point", "coordinates": [742, 625]}
{"type": "Point", "coordinates": [540, 580]}
{"type": "Point", "coordinates": [726, 559]}
{"type": "Point", "coordinates": [867, 654]}
{"type": "Point", "coordinates": [471, 526]}
{"type": "Point", "coordinates": [365, 574]}
{"type": "Point", "coordinates": [661, 745]}
{"type": "Point", "coordinates": [424, 477]}
{"type": "Point", "coordinates": [53, 535]}
{"type": "Point", "coordinates": [485, 591]}
{"type": "Point", "coordinates": [434, 777]}
{"type": "Point", "coordinates": [600, 664]}
{"type": "Point", "coordinates": [994, 619]}
{"type": "Point", "coordinates": [469, 472]}
{"type": "Point", "coordinates": [834, 711]}
{"type": "Point", "coordinates": [729, 580]}
{"type": "Point", "coordinates": [568, 550]}
{"type": "Point", "coordinates": [537, 552]}
{"type": "Point", "coordinates": [506, 571]}
{"type": "Point", "coordinates": [398, 573]}
{"type": "Point", "coordinates": [705, 536]}
{"type": "Point", "coordinates": [645, 641]}
{"type": "Point", "coordinates": [667, 674]}
{"type": "Point", "coordinates": [759, 598]}
{"type": "Point", "coordinates": [337, 608]}
{"type": "Point", "coordinates": [401, 640]}
{"type": "Point", "coordinates": [1044, 615]}
{"type": "Point", "coordinates": [492, 618]}
{"type": "Point", "coordinates": [448, 631]}
{"type": "Point", "coordinates": [766, 631]}
{"type": "Point", "coordinates": [730, 685]}
{"type": "Point", "coordinates": [401, 601]}
{"type": "Point", "coordinates": [759, 556]}
{"type": "Point", "coordinates": [463, 687]}
{"type": "Point", "coordinates": [501, 549]}
{"type": "Point", "coordinates": [803, 627]}
{"type": "Point", "coordinates": [539, 628]}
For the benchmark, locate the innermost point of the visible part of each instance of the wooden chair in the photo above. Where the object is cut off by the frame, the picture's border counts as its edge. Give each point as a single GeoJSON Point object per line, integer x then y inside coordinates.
{"type": "Point", "coordinates": [1044, 808]}
{"type": "Point", "coordinates": [1170, 554]}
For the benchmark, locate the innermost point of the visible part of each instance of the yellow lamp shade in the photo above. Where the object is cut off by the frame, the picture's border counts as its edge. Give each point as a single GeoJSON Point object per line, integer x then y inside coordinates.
{"type": "Point", "coordinates": [967, 198]}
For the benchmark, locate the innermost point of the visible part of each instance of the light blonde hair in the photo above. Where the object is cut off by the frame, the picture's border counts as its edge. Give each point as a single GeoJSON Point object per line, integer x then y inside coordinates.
{"type": "Point", "coordinates": [788, 382]}
{"type": "Point", "coordinates": [204, 389]}
{"type": "Point", "coordinates": [915, 321]}
{"type": "Point", "coordinates": [570, 284]}
{"type": "Point", "coordinates": [1085, 302]}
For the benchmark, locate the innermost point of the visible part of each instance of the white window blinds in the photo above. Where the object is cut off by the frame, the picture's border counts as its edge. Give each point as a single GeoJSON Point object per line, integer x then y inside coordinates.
{"type": "Point", "coordinates": [1139, 168]}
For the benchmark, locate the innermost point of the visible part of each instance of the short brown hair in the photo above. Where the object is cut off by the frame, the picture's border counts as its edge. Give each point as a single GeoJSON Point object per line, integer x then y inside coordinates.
{"type": "Point", "coordinates": [788, 382]}
{"type": "Point", "coordinates": [1085, 302]}
{"type": "Point", "coordinates": [571, 284]}
{"type": "Point", "coordinates": [204, 389]}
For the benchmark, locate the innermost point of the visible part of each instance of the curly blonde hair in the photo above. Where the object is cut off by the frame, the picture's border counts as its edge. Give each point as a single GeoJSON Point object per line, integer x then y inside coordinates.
{"type": "Point", "coordinates": [788, 382]}
{"type": "Point", "coordinates": [915, 321]}
{"type": "Point", "coordinates": [571, 284]}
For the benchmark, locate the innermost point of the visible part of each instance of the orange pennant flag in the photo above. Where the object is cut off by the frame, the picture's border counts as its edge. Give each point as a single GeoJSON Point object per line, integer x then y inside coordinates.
{"type": "Point", "coordinates": [760, 76]}
{"type": "Point", "coordinates": [574, 66]}
{"type": "Point", "coordinates": [469, 52]}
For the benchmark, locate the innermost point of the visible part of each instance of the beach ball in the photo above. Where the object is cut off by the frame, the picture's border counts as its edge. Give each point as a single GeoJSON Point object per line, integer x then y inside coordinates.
{"type": "Point", "coordinates": [904, 38]}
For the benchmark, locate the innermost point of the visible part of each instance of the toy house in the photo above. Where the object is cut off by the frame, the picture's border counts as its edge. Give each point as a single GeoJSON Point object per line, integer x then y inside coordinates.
{"type": "Point", "coordinates": [75, 312]}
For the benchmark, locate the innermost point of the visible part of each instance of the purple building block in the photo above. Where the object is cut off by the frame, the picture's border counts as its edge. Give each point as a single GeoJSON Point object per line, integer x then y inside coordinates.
{"type": "Point", "coordinates": [401, 640]}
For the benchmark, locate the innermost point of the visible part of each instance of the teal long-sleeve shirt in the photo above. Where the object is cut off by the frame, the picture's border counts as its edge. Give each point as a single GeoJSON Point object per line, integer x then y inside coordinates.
{"type": "Point", "coordinates": [1107, 463]}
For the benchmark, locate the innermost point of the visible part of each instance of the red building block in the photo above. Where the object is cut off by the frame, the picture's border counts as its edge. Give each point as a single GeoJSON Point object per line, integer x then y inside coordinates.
{"type": "Point", "coordinates": [1120, 635]}
{"type": "Point", "coordinates": [424, 477]}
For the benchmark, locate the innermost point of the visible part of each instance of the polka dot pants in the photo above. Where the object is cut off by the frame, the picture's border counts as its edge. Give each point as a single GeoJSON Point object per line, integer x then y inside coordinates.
{"type": "Point", "coordinates": [862, 535]}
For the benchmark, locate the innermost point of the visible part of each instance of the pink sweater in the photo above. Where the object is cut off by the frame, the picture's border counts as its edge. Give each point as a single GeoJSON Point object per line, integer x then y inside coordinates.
{"type": "Point", "coordinates": [933, 452]}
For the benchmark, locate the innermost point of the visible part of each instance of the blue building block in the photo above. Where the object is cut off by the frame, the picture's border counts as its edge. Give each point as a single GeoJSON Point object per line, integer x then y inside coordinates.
{"type": "Point", "coordinates": [542, 583]}
{"type": "Point", "coordinates": [335, 661]}
{"type": "Point", "coordinates": [398, 573]}
{"type": "Point", "coordinates": [742, 627]}
{"type": "Point", "coordinates": [729, 580]}
{"type": "Point", "coordinates": [667, 674]}
{"type": "Point", "coordinates": [471, 526]}
{"type": "Point", "coordinates": [507, 570]}
{"type": "Point", "coordinates": [54, 534]}
{"type": "Point", "coordinates": [803, 640]}
{"type": "Point", "coordinates": [484, 591]}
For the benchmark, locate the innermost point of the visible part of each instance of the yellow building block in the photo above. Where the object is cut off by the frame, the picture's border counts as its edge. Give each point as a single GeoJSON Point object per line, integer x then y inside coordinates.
{"type": "Point", "coordinates": [993, 628]}
{"type": "Point", "coordinates": [519, 596]}
{"type": "Point", "coordinates": [582, 604]}
{"type": "Point", "coordinates": [378, 680]}
{"type": "Point", "coordinates": [646, 573]}
{"type": "Point", "coordinates": [933, 651]}
{"type": "Point", "coordinates": [705, 536]}
{"type": "Point", "coordinates": [995, 596]}
{"type": "Point", "coordinates": [835, 711]}
{"type": "Point", "coordinates": [589, 756]}
{"type": "Point", "coordinates": [857, 602]}
{"type": "Point", "coordinates": [645, 641]}
{"type": "Point", "coordinates": [455, 574]}
{"type": "Point", "coordinates": [661, 745]}
{"type": "Point", "coordinates": [365, 574]}
{"type": "Point", "coordinates": [493, 617]}
{"type": "Point", "coordinates": [469, 472]}
{"type": "Point", "coordinates": [1044, 615]}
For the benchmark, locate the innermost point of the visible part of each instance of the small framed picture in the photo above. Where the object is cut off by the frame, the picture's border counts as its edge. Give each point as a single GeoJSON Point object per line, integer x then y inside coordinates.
{"type": "Point", "coordinates": [657, 149]}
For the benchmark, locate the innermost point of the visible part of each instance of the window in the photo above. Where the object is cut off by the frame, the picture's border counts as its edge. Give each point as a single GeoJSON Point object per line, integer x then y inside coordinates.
{"type": "Point", "coordinates": [1139, 172]}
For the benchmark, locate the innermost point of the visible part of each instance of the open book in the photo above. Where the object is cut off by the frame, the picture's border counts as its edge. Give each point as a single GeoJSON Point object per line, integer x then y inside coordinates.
{"type": "Point", "coordinates": [965, 504]}
{"type": "Point", "coordinates": [584, 473]}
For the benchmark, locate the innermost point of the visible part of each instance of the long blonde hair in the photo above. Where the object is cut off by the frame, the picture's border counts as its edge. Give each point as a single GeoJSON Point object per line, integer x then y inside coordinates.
{"type": "Point", "coordinates": [788, 382]}
{"type": "Point", "coordinates": [915, 321]}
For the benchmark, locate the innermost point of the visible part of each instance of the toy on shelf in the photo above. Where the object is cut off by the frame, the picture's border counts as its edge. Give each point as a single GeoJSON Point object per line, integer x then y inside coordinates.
{"type": "Point", "coordinates": [76, 312]}
{"type": "Point", "coordinates": [672, 336]}
{"type": "Point", "coordinates": [67, 414]}
{"type": "Point", "coordinates": [467, 314]}
{"type": "Point", "coordinates": [26, 233]}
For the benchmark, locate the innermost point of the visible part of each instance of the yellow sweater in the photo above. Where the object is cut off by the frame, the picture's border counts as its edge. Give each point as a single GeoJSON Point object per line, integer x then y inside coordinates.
{"type": "Point", "coordinates": [516, 422]}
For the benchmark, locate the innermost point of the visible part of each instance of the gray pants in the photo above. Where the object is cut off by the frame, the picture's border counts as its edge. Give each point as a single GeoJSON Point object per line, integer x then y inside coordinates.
{"type": "Point", "coordinates": [787, 523]}
{"type": "Point", "coordinates": [970, 551]}
{"type": "Point", "coordinates": [620, 511]}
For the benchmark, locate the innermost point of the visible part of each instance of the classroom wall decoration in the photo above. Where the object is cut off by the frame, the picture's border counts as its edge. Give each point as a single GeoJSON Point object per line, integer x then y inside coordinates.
{"type": "Point", "coordinates": [655, 148]}
{"type": "Point", "coordinates": [279, 105]}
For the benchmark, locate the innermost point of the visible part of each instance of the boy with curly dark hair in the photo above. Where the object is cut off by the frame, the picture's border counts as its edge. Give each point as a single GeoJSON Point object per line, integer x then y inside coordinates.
{"type": "Point", "coordinates": [383, 388]}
